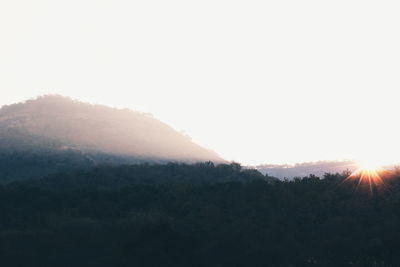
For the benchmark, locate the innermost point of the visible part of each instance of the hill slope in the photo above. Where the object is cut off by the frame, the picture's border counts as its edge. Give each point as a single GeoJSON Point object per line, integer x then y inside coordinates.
{"type": "Point", "coordinates": [56, 125]}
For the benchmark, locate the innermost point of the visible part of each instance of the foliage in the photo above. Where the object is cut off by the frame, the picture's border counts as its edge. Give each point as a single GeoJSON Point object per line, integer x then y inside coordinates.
{"type": "Point", "coordinates": [196, 215]}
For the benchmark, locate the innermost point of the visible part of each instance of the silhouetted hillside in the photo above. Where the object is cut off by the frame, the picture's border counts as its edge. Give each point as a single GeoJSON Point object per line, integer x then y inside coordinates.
{"type": "Point", "coordinates": [39, 136]}
{"type": "Point", "coordinates": [200, 215]}
{"type": "Point", "coordinates": [111, 177]}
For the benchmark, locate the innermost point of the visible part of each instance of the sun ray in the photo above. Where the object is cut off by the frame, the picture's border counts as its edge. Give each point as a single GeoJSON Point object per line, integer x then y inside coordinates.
{"type": "Point", "coordinates": [369, 175]}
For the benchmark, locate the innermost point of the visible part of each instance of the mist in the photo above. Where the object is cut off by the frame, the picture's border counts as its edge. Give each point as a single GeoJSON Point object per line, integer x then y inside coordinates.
{"type": "Point", "coordinates": [74, 125]}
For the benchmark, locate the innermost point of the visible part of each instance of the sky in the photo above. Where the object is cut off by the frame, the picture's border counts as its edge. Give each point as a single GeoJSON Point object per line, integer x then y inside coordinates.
{"type": "Point", "coordinates": [256, 81]}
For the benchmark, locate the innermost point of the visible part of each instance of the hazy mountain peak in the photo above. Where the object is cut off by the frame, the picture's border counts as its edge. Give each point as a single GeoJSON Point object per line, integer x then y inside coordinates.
{"type": "Point", "coordinates": [88, 127]}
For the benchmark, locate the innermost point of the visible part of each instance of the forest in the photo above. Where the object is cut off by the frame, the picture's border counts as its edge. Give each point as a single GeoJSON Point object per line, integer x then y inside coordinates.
{"type": "Point", "coordinates": [197, 215]}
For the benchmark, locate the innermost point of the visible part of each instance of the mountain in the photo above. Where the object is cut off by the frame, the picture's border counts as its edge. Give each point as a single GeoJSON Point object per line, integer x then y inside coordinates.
{"type": "Point", "coordinates": [305, 169]}
{"type": "Point", "coordinates": [58, 131]}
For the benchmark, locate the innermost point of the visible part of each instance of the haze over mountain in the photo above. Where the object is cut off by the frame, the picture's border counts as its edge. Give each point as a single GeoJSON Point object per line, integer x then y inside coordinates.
{"type": "Point", "coordinates": [319, 168]}
{"type": "Point", "coordinates": [57, 124]}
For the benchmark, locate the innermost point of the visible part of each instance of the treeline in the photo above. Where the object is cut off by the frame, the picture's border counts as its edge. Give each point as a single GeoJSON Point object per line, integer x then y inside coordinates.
{"type": "Point", "coordinates": [111, 177]}
{"type": "Point", "coordinates": [38, 162]}
{"type": "Point", "coordinates": [197, 215]}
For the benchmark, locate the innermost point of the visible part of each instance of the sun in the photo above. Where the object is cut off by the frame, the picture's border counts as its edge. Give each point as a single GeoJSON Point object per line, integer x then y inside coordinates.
{"type": "Point", "coordinates": [369, 164]}
{"type": "Point", "coordinates": [370, 173]}
{"type": "Point", "coordinates": [367, 178]}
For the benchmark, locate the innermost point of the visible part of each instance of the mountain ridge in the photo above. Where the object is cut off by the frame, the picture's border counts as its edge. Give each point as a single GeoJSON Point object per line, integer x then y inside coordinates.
{"type": "Point", "coordinates": [55, 124]}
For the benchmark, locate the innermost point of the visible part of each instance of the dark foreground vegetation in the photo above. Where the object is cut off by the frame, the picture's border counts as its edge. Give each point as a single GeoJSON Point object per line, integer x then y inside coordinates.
{"type": "Point", "coordinates": [196, 215]}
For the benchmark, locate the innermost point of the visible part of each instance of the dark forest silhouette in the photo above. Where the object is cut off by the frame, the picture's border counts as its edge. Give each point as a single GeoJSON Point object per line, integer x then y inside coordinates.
{"type": "Point", "coordinates": [197, 215]}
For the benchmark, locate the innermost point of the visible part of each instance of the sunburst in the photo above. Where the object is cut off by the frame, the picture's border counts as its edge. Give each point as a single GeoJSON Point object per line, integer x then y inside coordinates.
{"type": "Point", "coordinates": [370, 173]}
{"type": "Point", "coordinates": [370, 177]}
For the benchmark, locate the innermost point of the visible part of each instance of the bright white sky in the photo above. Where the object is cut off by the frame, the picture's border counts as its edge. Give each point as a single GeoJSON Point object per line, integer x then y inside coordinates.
{"type": "Point", "coordinates": [256, 81]}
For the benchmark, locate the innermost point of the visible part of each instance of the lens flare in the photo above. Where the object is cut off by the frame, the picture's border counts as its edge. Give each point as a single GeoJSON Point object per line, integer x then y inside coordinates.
{"type": "Point", "coordinates": [370, 177]}
{"type": "Point", "coordinates": [370, 173]}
